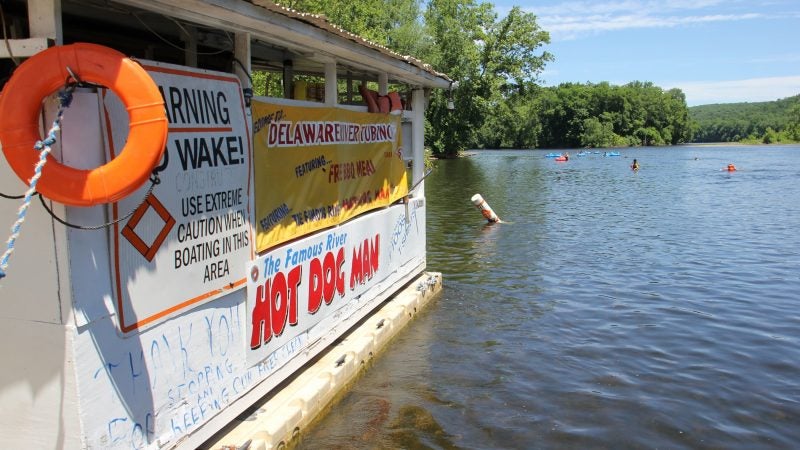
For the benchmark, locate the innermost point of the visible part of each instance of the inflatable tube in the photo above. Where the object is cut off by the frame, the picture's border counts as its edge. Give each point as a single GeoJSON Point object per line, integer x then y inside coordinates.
{"type": "Point", "coordinates": [396, 103]}
{"type": "Point", "coordinates": [380, 103]}
{"type": "Point", "coordinates": [384, 105]}
{"type": "Point", "coordinates": [561, 159]}
{"type": "Point", "coordinates": [45, 73]}
{"type": "Point", "coordinates": [370, 98]}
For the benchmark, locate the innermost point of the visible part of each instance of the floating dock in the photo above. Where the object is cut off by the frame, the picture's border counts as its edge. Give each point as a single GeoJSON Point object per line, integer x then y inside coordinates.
{"type": "Point", "coordinates": [281, 418]}
{"type": "Point", "coordinates": [229, 188]}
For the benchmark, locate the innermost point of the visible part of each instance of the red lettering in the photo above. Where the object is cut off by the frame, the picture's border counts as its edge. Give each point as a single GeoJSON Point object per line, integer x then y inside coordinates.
{"type": "Point", "coordinates": [298, 135]}
{"type": "Point", "coordinates": [374, 254]}
{"type": "Point", "coordinates": [315, 286]}
{"type": "Point", "coordinates": [272, 139]}
{"type": "Point", "coordinates": [365, 265]}
{"type": "Point", "coordinates": [333, 174]}
{"type": "Point", "coordinates": [293, 283]}
{"type": "Point", "coordinates": [283, 133]}
{"type": "Point", "coordinates": [261, 334]}
{"type": "Point", "coordinates": [278, 303]}
{"type": "Point", "coordinates": [355, 270]}
{"type": "Point", "coordinates": [309, 133]}
{"type": "Point", "coordinates": [329, 278]}
{"type": "Point", "coordinates": [275, 306]}
{"type": "Point", "coordinates": [340, 272]}
{"type": "Point", "coordinates": [366, 259]}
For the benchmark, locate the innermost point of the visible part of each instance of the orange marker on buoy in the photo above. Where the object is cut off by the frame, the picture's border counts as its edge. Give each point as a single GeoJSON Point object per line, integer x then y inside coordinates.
{"type": "Point", "coordinates": [484, 208]}
{"type": "Point", "coordinates": [731, 168]}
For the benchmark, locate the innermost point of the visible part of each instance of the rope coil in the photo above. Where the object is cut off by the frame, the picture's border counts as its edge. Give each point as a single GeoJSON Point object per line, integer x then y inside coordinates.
{"type": "Point", "coordinates": [44, 147]}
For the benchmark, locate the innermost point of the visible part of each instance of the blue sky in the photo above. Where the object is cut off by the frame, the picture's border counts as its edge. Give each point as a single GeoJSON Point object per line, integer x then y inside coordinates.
{"type": "Point", "coordinates": [715, 51]}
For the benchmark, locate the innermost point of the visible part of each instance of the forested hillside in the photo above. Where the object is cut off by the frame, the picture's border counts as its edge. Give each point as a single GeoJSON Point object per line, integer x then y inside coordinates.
{"type": "Point", "coordinates": [766, 122]}
{"type": "Point", "coordinates": [604, 115]}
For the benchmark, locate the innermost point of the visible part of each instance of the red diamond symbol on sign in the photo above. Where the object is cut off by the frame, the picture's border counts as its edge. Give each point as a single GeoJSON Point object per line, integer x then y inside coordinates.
{"type": "Point", "coordinates": [130, 232]}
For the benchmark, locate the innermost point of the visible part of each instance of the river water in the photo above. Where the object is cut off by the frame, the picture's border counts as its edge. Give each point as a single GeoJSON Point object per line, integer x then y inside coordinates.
{"type": "Point", "coordinates": [614, 309]}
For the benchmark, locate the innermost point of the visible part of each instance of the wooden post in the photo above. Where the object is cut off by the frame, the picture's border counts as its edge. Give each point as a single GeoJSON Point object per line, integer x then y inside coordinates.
{"type": "Point", "coordinates": [44, 20]}
{"type": "Point", "coordinates": [241, 51]}
{"type": "Point", "coordinates": [190, 46]}
{"type": "Point", "coordinates": [349, 87]}
{"type": "Point", "coordinates": [383, 83]}
{"type": "Point", "coordinates": [288, 78]}
{"type": "Point", "coordinates": [418, 137]}
{"type": "Point", "coordinates": [331, 84]}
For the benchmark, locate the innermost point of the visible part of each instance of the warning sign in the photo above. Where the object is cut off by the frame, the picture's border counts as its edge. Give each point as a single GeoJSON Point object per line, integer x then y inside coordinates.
{"type": "Point", "coordinates": [187, 242]}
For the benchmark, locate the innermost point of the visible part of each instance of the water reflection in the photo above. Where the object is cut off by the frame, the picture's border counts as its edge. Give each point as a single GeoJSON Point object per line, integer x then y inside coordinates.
{"type": "Point", "coordinates": [615, 309]}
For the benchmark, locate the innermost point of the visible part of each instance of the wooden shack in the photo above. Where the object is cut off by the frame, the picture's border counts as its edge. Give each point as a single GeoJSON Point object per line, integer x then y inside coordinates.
{"type": "Point", "coordinates": [249, 231]}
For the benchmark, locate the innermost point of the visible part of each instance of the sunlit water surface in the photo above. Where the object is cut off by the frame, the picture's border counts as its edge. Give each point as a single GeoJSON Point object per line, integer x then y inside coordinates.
{"type": "Point", "coordinates": [615, 309]}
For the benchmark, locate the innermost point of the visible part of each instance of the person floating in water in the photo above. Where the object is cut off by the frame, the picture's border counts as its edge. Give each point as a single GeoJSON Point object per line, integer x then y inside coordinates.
{"type": "Point", "coordinates": [731, 168]}
{"type": "Point", "coordinates": [635, 165]}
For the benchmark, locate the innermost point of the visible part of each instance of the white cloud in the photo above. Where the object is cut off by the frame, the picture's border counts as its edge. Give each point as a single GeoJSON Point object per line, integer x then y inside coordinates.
{"type": "Point", "coordinates": [772, 59]}
{"type": "Point", "coordinates": [629, 6]}
{"type": "Point", "coordinates": [571, 27]}
{"type": "Point", "coordinates": [734, 91]}
{"type": "Point", "coordinates": [572, 20]}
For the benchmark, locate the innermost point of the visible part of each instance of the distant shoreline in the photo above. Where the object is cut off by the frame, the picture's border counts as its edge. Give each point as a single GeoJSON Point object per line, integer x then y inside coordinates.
{"type": "Point", "coordinates": [715, 144]}
{"type": "Point", "coordinates": [471, 152]}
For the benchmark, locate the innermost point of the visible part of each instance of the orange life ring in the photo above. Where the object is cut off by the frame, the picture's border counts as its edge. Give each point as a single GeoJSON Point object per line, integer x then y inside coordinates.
{"type": "Point", "coordinates": [46, 72]}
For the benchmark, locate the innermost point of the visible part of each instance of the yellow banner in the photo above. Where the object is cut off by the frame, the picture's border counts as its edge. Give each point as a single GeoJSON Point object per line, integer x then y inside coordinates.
{"type": "Point", "coordinates": [318, 167]}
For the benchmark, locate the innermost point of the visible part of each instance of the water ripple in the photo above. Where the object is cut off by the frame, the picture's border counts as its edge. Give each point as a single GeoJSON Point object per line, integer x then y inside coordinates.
{"type": "Point", "coordinates": [655, 309]}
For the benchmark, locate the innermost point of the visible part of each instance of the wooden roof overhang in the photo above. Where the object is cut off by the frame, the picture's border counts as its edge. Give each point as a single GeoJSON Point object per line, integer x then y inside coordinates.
{"type": "Point", "coordinates": [309, 40]}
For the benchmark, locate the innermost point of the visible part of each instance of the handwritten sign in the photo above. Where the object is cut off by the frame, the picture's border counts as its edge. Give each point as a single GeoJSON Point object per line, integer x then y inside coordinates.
{"type": "Point", "coordinates": [186, 244]}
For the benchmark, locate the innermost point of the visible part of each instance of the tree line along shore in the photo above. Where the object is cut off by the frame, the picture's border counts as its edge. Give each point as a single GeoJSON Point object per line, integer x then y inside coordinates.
{"type": "Point", "coordinates": [497, 96]}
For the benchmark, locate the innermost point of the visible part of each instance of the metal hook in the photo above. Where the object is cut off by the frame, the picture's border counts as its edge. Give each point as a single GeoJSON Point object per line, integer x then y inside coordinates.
{"type": "Point", "coordinates": [73, 75]}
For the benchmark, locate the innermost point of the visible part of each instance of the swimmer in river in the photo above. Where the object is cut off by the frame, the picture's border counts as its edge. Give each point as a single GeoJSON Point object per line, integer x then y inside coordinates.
{"type": "Point", "coordinates": [635, 165]}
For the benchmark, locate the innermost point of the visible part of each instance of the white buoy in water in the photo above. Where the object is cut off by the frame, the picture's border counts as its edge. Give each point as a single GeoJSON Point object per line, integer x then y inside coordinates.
{"type": "Point", "coordinates": [484, 208]}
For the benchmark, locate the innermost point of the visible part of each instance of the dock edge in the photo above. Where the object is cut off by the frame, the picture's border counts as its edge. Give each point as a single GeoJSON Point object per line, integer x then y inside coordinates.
{"type": "Point", "coordinates": [278, 421]}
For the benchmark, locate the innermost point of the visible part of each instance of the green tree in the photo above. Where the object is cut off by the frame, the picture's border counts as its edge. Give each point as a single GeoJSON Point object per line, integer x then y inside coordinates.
{"type": "Point", "coordinates": [454, 25]}
{"type": "Point", "coordinates": [393, 23]}
{"type": "Point", "coordinates": [746, 121]}
{"type": "Point", "coordinates": [496, 63]}
{"type": "Point", "coordinates": [491, 59]}
{"type": "Point", "coordinates": [599, 132]}
{"type": "Point", "coordinates": [793, 121]}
